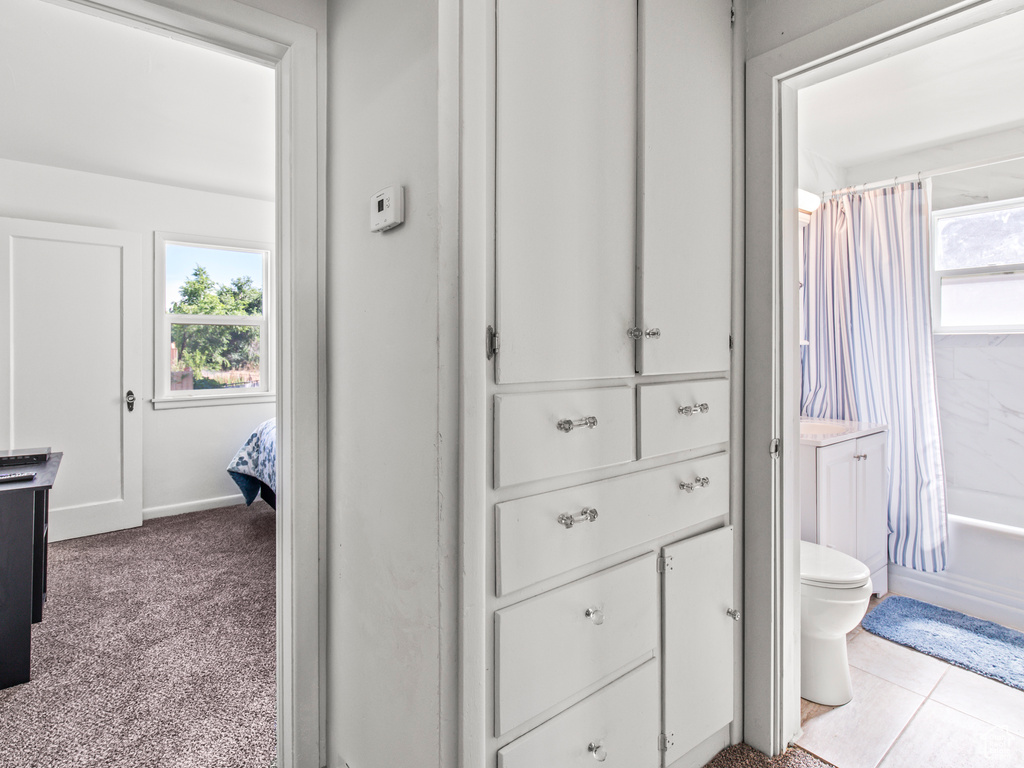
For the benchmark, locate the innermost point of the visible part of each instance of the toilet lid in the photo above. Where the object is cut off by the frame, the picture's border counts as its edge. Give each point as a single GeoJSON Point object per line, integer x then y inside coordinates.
{"type": "Point", "coordinates": [822, 566]}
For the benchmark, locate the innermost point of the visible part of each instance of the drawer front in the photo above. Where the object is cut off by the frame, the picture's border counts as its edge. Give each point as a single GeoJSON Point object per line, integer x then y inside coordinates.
{"type": "Point", "coordinates": [622, 720]}
{"type": "Point", "coordinates": [556, 644]}
{"type": "Point", "coordinates": [704, 419]}
{"type": "Point", "coordinates": [533, 541]}
{"type": "Point", "coordinates": [542, 434]}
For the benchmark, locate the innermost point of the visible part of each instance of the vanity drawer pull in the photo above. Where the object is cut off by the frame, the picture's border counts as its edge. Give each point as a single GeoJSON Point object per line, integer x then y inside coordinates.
{"type": "Point", "coordinates": [586, 515]}
{"type": "Point", "coordinates": [698, 482]}
{"type": "Point", "coordinates": [690, 410]}
{"type": "Point", "coordinates": [596, 748]}
{"type": "Point", "coordinates": [567, 425]}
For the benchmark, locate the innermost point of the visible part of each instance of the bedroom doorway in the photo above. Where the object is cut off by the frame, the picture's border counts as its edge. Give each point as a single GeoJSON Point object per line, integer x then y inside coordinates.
{"type": "Point", "coordinates": [289, 51]}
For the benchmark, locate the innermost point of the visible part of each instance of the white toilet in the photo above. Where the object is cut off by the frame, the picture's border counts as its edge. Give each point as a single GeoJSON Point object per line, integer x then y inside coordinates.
{"type": "Point", "coordinates": [834, 593]}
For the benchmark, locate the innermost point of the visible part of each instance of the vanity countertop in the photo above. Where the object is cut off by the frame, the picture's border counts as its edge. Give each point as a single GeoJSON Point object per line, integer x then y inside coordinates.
{"type": "Point", "coordinates": [819, 432]}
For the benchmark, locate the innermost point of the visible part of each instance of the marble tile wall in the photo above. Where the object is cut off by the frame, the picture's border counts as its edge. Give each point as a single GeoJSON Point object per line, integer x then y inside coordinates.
{"type": "Point", "coordinates": [981, 412]}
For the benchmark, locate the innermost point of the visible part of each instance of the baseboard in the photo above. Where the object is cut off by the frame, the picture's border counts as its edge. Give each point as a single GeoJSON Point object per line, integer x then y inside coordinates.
{"type": "Point", "coordinates": [192, 506]}
{"type": "Point", "coordinates": [958, 593]}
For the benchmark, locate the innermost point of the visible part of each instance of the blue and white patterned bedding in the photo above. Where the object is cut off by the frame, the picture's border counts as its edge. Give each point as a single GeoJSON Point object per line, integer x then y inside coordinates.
{"type": "Point", "coordinates": [256, 461]}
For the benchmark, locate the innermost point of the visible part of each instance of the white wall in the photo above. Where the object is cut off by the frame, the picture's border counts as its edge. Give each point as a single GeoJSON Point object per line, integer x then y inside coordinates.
{"type": "Point", "coordinates": [391, 444]}
{"type": "Point", "coordinates": [185, 450]}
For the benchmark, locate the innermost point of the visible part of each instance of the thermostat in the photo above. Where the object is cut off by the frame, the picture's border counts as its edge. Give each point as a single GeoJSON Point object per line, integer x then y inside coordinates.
{"type": "Point", "coordinates": [387, 209]}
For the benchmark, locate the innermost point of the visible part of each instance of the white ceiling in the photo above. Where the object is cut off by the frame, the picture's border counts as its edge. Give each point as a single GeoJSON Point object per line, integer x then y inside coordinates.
{"type": "Point", "coordinates": [89, 94]}
{"type": "Point", "coordinates": [962, 86]}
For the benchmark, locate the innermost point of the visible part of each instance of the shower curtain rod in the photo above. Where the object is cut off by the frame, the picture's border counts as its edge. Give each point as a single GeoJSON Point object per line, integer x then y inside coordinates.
{"type": "Point", "coordinates": [919, 176]}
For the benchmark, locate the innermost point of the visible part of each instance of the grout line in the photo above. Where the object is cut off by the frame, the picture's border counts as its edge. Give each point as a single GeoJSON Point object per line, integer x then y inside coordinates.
{"type": "Point", "coordinates": [941, 678]}
{"type": "Point", "coordinates": [902, 731]}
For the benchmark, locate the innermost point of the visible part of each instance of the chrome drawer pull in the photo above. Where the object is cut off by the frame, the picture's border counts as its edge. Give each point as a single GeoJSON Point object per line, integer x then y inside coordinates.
{"type": "Point", "coordinates": [567, 425]}
{"type": "Point", "coordinates": [690, 410]}
{"type": "Point", "coordinates": [596, 748]}
{"type": "Point", "coordinates": [586, 515]}
{"type": "Point", "coordinates": [596, 615]}
{"type": "Point", "coordinates": [733, 613]}
{"type": "Point", "coordinates": [698, 482]}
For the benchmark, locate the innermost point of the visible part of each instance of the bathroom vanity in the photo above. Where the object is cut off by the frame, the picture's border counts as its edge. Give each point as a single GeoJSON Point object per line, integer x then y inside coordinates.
{"type": "Point", "coordinates": [843, 496]}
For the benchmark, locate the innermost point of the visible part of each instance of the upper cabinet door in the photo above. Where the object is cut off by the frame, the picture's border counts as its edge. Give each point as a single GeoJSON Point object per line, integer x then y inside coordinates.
{"type": "Point", "coordinates": [565, 192]}
{"type": "Point", "coordinates": [686, 186]}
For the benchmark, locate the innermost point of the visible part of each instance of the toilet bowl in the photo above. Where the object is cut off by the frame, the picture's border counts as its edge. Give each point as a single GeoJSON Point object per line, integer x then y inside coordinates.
{"type": "Point", "coordinates": [834, 593]}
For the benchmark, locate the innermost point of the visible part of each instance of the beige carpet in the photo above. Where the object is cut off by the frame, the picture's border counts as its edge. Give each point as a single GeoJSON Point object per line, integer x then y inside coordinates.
{"type": "Point", "coordinates": [742, 756]}
{"type": "Point", "coordinates": [156, 650]}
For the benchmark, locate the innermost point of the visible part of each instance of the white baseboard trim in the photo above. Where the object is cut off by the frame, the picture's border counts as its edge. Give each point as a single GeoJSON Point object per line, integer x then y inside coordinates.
{"type": "Point", "coordinates": [958, 593]}
{"type": "Point", "coordinates": [192, 506]}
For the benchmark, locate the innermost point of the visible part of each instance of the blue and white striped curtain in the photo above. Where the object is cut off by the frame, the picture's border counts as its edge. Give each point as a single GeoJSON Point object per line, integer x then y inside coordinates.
{"type": "Point", "coordinates": [870, 357]}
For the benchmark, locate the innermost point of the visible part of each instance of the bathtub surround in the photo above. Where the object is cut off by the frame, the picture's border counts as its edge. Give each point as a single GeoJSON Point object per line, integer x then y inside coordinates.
{"type": "Point", "coordinates": [975, 644]}
{"type": "Point", "coordinates": [981, 407]}
{"type": "Point", "coordinates": [869, 356]}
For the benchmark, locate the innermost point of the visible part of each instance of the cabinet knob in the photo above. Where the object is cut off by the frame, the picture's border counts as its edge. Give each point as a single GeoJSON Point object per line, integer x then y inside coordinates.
{"type": "Point", "coordinates": [690, 410]}
{"type": "Point", "coordinates": [639, 333]}
{"type": "Point", "coordinates": [586, 515]}
{"type": "Point", "coordinates": [860, 456]}
{"type": "Point", "coordinates": [568, 425]}
{"type": "Point", "coordinates": [733, 613]}
{"type": "Point", "coordinates": [595, 614]}
{"type": "Point", "coordinates": [596, 748]}
{"type": "Point", "coordinates": [698, 482]}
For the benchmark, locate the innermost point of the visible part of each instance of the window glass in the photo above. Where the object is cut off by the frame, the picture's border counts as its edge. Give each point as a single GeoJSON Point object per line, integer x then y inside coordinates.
{"type": "Point", "coordinates": [983, 300]}
{"type": "Point", "coordinates": [983, 239]}
{"type": "Point", "coordinates": [213, 281]}
{"type": "Point", "coordinates": [215, 357]}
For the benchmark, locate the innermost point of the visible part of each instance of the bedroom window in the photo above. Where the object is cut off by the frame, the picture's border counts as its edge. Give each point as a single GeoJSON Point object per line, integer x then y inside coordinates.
{"type": "Point", "coordinates": [213, 338]}
{"type": "Point", "coordinates": [978, 268]}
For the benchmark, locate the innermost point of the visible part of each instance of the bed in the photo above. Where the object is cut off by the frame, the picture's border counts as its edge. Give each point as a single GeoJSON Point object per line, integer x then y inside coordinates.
{"type": "Point", "coordinates": [254, 467]}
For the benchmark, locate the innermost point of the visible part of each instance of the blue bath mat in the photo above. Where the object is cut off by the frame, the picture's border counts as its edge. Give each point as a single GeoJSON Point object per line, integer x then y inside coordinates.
{"type": "Point", "coordinates": [980, 646]}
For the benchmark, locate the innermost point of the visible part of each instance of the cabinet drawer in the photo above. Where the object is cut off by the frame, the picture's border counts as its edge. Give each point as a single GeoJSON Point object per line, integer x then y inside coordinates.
{"type": "Point", "coordinates": [548, 648]}
{"type": "Point", "coordinates": [543, 434]}
{"type": "Point", "coordinates": [532, 541]}
{"type": "Point", "coordinates": [621, 719]}
{"type": "Point", "coordinates": [683, 415]}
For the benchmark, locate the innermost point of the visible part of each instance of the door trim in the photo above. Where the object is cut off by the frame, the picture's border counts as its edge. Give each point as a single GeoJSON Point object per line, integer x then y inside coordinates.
{"type": "Point", "coordinates": [290, 48]}
{"type": "Point", "coordinates": [771, 578]}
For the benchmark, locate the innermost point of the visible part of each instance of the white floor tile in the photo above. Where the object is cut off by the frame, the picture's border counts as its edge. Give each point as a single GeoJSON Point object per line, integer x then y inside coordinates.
{"type": "Point", "coordinates": [905, 667]}
{"type": "Point", "coordinates": [985, 699]}
{"type": "Point", "coordinates": [858, 734]}
{"type": "Point", "coordinates": [941, 737]}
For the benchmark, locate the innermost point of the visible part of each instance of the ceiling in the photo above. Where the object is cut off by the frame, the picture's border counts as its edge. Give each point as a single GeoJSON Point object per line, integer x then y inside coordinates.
{"type": "Point", "coordinates": [963, 86]}
{"type": "Point", "coordinates": [89, 94]}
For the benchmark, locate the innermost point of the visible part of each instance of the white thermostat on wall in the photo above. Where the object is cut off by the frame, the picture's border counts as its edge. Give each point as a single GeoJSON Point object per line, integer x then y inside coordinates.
{"type": "Point", "coordinates": [387, 209]}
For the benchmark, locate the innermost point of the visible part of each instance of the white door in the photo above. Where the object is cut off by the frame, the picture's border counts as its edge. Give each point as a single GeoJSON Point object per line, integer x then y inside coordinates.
{"type": "Point", "coordinates": [686, 169]}
{"type": "Point", "coordinates": [700, 640]}
{"type": "Point", "coordinates": [565, 207]}
{"type": "Point", "coordinates": [71, 346]}
{"type": "Point", "coordinates": [872, 502]}
{"type": "Point", "coordinates": [837, 496]}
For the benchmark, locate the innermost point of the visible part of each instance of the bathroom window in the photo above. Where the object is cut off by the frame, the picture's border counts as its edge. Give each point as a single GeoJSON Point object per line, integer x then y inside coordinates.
{"type": "Point", "coordinates": [978, 268]}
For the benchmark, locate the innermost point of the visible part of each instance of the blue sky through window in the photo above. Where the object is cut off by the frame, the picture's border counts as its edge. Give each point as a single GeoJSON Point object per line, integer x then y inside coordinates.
{"type": "Point", "coordinates": [222, 265]}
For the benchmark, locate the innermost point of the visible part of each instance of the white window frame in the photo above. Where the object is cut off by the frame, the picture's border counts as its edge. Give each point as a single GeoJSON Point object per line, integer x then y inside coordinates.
{"type": "Point", "coordinates": [985, 271]}
{"type": "Point", "coordinates": [164, 397]}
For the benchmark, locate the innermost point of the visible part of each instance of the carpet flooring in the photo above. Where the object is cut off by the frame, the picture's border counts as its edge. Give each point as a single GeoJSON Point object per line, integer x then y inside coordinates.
{"type": "Point", "coordinates": [156, 649]}
{"type": "Point", "coordinates": [977, 645]}
{"type": "Point", "coordinates": [742, 756]}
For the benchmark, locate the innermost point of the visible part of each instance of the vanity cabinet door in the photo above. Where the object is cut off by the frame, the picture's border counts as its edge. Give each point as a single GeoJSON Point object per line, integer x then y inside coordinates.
{"type": "Point", "coordinates": [872, 502]}
{"type": "Point", "coordinates": [837, 496]}
{"type": "Point", "coordinates": [565, 189]}
{"type": "Point", "coordinates": [685, 244]}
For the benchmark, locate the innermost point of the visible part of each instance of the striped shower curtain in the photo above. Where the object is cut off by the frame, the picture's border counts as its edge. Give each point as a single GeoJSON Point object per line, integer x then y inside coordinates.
{"type": "Point", "coordinates": [868, 321]}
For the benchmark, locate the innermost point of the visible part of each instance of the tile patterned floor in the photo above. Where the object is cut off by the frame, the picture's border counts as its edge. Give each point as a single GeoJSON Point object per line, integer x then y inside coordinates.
{"type": "Point", "coordinates": [911, 710]}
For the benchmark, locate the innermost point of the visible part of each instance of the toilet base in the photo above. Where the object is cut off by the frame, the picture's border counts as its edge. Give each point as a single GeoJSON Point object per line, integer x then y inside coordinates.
{"type": "Point", "coordinates": [825, 671]}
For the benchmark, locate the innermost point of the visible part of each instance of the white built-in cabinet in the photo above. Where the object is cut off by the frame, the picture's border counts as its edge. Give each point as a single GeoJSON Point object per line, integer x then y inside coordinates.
{"type": "Point", "coordinates": [612, 610]}
{"type": "Point", "coordinates": [844, 500]}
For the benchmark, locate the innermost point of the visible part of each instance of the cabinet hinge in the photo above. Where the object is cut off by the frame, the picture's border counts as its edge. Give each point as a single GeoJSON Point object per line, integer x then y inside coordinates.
{"type": "Point", "coordinates": [664, 742]}
{"type": "Point", "coordinates": [732, 16]}
{"type": "Point", "coordinates": [493, 342]}
{"type": "Point", "coordinates": [664, 563]}
{"type": "Point", "coordinates": [775, 448]}
{"type": "Point", "coordinates": [730, 341]}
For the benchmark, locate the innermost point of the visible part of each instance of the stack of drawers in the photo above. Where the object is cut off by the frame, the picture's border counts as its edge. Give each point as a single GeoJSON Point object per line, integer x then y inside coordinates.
{"type": "Point", "coordinates": [579, 668]}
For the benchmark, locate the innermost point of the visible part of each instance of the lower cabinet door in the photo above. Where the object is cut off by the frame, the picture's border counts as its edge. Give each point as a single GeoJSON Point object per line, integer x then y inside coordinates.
{"type": "Point", "coordinates": [700, 639]}
{"type": "Point", "coordinates": [617, 726]}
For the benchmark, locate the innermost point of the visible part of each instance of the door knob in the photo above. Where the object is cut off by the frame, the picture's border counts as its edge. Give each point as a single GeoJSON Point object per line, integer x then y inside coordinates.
{"type": "Point", "coordinates": [129, 400]}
